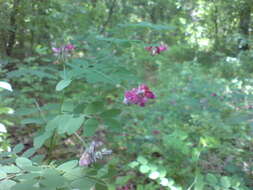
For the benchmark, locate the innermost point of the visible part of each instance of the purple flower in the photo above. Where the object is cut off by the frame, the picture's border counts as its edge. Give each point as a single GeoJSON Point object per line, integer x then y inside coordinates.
{"type": "Point", "coordinates": [85, 159]}
{"type": "Point", "coordinates": [56, 50]}
{"type": "Point", "coordinates": [69, 47]}
{"type": "Point", "coordinates": [161, 48]}
{"type": "Point", "coordinates": [64, 49]}
{"type": "Point", "coordinates": [156, 132]}
{"type": "Point", "coordinates": [156, 49]}
{"type": "Point", "coordinates": [138, 95]}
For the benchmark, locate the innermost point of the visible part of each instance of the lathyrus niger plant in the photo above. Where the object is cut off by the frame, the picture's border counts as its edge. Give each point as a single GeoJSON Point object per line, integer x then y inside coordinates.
{"type": "Point", "coordinates": [189, 131]}
{"type": "Point", "coordinates": [82, 111]}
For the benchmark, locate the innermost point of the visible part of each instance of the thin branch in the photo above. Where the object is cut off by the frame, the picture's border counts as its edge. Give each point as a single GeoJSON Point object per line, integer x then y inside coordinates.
{"type": "Point", "coordinates": [111, 10]}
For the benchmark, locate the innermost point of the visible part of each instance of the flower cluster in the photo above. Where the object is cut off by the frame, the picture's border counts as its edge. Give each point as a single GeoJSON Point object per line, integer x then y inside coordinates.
{"type": "Point", "coordinates": [156, 49]}
{"type": "Point", "coordinates": [139, 95]}
{"type": "Point", "coordinates": [91, 154]}
{"type": "Point", "coordinates": [64, 49]}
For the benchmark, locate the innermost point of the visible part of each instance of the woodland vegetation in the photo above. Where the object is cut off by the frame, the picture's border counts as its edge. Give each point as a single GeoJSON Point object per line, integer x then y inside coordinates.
{"type": "Point", "coordinates": [126, 95]}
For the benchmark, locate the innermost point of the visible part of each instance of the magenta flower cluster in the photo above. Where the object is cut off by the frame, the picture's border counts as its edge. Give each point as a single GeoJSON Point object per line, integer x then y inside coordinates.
{"type": "Point", "coordinates": [138, 95]}
{"type": "Point", "coordinates": [154, 50]}
{"type": "Point", "coordinates": [64, 49]}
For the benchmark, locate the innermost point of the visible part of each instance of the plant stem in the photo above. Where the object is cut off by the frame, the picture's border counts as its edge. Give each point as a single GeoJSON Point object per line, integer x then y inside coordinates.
{"type": "Point", "coordinates": [80, 138]}
{"type": "Point", "coordinates": [52, 144]}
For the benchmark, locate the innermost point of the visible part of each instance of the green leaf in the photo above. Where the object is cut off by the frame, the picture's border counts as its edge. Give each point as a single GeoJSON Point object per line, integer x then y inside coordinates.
{"type": "Point", "coordinates": [99, 186]}
{"type": "Point", "coordinates": [102, 172]}
{"type": "Point", "coordinates": [40, 140]}
{"type": "Point", "coordinates": [164, 181]}
{"type": "Point", "coordinates": [28, 176]}
{"type": "Point", "coordinates": [18, 148]}
{"type": "Point", "coordinates": [110, 113]}
{"type": "Point", "coordinates": [84, 183]}
{"type": "Point", "coordinates": [199, 185]}
{"type": "Point", "coordinates": [225, 182]}
{"type": "Point", "coordinates": [68, 165]}
{"type": "Point", "coordinates": [10, 169]}
{"type": "Point", "coordinates": [5, 85]}
{"type": "Point", "coordinates": [58, 122]}
{"type": "Point", "coordinates": [62, 84]}
{"type": "Point", "coordinates": [32, 168]}
{"type": "Point", "coordinates": [171, 181]}
{"type": "Point", "coordinates": [153, 167]}
{"type": "Point", "coordinates": [122, 180]}
{"type": "Point", "coordinates": [144, 169]}
{"type": "Point", "coordinates": [133, 164]}
{"type": "Point", "coordinates": [2, 174]}
{"type": "Point", "coordinates": [162, 172]}
{"type": "Point", "coordinates": [90, 127]}
{"type": "Point", "coordinates": [142, 160]}
{"type": "Point", "coordinates": [6, 184]}
{"type": "Point", "coordinates": [154, 175]}
{"type": "Point", "coordinates": [26, 111]}
{"type": "Point", "coordinates": [28, 153]}
{"type": "Point", "coordinates": [94, 108]}
{"type": "Point", "coordinates": [53, 181]}
{"type": "Point", "coordinates": [67, 106]}
{"type": "Point", "coordinates": [32, 120]}
{"type": "Point", "coordinates": [211, 179]}
{"type": "Point", "coordinates": [113, 125]}
{"type": "Point", "coordinates": [38, 158]}
{"type": "Point", "coordinates": [96, 76]}
{"type": "Point", "coordinates": [23, 162]}
{"type": "Point", "coordinates": [73, 174]}
{"type": "Point", "coordinates": [25, 185]}
{"type": "Point", "coordinates": [74, 124]}
{"type": "Point", "coordinates": [52, 178]}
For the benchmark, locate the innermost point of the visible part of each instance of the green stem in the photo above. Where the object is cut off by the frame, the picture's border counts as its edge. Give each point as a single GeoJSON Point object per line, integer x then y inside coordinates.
{"type": "Point", "coordinates": [52, 144]}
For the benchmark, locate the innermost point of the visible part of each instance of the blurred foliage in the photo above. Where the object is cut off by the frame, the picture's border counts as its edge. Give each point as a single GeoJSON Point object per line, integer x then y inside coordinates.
{"type": "Point", "coordinates": [197, 133]}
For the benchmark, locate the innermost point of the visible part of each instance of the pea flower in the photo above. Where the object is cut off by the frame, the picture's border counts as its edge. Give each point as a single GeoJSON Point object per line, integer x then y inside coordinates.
{"type": "Point", "coordinates": [69, 47]}
{"type": "Point", "coordinates": [154, 50]}
{"type": "Point", "coordinates": [92, 154]}
{"type": "Point", "coordinates": [63, 49]}
{"type": "Point", "coordinates": [56, 50]}
{"type": "Point", "coordinates": [138, 95]}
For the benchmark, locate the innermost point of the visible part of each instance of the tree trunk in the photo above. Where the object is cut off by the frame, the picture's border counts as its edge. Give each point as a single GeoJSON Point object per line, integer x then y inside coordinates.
{"type": "Point", "coordinates": [244, 25]}
{"type": "Point", "coordinates": [13, 25]}
{"type": "Point", "coordinates": [110, 14]}
{"type": "Point", "coordinates": [216, 27]}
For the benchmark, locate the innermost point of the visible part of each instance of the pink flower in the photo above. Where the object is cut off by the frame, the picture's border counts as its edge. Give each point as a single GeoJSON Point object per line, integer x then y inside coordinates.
{"type": "Point", "coordinates": [138, 95]}
{"type": "Point", "coordinates": [156, 49]}
{"type": "Point", "coordinates": [85, 160]}
{"type": "Point", "coordinates": [69, 47]}
{"type": "Point", "coordinates": [156, 132]}
{"type": "Point", "coordinates": [63, 49]}
{"type": "Point", "coordinates": [131, 97]}
{"type": "Point", "coordinates": [161, 48]}
{"type": "Point", "coordinates": [56, 50]}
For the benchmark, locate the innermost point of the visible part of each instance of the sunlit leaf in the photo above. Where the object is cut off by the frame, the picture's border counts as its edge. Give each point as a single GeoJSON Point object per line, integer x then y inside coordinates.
{"type": "Point", "coordinates": [5, 85]}
{"type": "Point", "coordinates": [62, 84]}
